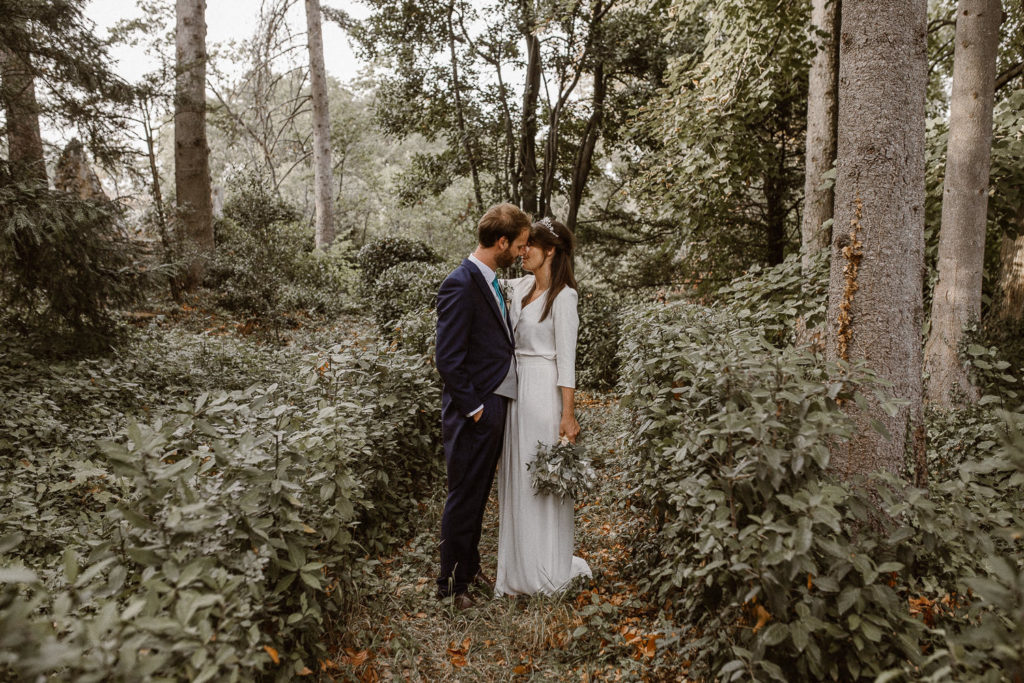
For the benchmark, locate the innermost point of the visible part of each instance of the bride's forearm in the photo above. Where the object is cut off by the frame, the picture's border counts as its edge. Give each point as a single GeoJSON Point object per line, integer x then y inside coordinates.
{"type": "Point", "coordinates": [568, 402]}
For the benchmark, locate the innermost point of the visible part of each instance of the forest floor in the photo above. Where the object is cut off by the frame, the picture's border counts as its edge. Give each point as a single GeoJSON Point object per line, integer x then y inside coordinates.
{"type": "Point", "coordinates": [598, 630]}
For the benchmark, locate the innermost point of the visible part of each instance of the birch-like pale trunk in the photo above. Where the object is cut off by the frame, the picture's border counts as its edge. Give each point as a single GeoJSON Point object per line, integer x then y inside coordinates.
{"type": "Point", "coordinates": [322, 199]}
{"type": "Point", "coordinates": [821, 128]}
{"type": "Point", "coordinates": [957, 298]}
{"type": "Point", "coordinates": [191, 152]}
{"type": "Point", "coordinates": [877, 260]}
{"type": "Point", "coordinates": [18, 94]}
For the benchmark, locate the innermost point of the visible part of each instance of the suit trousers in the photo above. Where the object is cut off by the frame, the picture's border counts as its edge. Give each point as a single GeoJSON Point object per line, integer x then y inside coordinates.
{"type": "Point", "coordinates": [471, 450]}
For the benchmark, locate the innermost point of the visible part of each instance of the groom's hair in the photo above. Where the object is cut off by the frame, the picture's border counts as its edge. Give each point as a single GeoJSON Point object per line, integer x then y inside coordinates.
{"type": "Point", "coordinates": [502, 220]}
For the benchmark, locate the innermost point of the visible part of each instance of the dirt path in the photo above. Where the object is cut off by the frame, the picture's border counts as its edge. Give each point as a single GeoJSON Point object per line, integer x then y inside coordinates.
{"type": "Point", "coordinates": [597, 630]}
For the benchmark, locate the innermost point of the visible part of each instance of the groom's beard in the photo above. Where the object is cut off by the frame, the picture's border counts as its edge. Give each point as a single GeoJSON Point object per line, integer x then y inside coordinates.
{"type": "Point", "coordinates": [505, 258]}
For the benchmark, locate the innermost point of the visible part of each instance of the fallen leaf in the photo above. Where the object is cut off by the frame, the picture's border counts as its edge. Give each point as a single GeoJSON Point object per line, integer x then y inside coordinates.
{"type": "Point", "coordinates": [353, 658]}
{"type": "Point", "coordinates": [273, 654]}
{"type": "Point", "coordinates": [763, 616]}
{"type": "Point", "coordinates": [305, 671]}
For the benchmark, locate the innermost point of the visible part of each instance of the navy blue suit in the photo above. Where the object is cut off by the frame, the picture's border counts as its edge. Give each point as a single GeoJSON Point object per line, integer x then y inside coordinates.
{"type": "Point", "coordinates": [474, 352]}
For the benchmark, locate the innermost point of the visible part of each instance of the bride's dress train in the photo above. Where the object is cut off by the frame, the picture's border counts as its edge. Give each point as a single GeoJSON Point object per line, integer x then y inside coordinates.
{"type": "Point", "coordinates": [535, 532]}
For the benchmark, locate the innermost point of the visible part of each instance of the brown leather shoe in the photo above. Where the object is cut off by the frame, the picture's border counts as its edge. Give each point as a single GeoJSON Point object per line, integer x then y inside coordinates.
{"type": "Point", "coordinates": [463, 601]}
{"type": "Point", "coordinates": [481, 580]}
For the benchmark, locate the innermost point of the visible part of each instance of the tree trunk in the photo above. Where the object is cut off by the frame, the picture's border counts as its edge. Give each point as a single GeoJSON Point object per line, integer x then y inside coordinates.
{"type": "Point", "coordinates": [513, 172]}
{"type": "Point", "coordinates": [957, 299]}
{"type": "Point", "coordinates": [1011, 277]}
{"type": "Point", "coordinates": [585, 155]}
{"type": "Point", "coordinates": [775, 206]}
{"type": "Point", "coordinates": [191, 153]}
{"type": "Point", "coordinates": [821, 128]}
{"type": "Point", "coordinates": [460, 116]}
{"type": "Point", "coordinates": [528, 137]}
{"type": "Point", "coordinates": [24, 141]}
{"type": "Point", "coordinates": [321, 129]}
{"type": "Point", "coordinates": [877, 260]}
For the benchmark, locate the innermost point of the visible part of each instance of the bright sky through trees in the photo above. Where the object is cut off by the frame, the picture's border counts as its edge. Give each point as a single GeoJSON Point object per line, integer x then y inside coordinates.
{"type": "Point", "coordinates": [228, 20]}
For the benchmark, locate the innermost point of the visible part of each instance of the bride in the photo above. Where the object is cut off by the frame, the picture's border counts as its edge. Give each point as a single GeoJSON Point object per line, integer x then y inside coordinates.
{"type": "Point", "coordinates": [535, 532]}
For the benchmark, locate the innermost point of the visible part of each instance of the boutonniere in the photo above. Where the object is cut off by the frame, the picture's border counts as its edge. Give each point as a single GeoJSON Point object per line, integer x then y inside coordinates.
{"type": "Point", "coordinates": [506, 292]}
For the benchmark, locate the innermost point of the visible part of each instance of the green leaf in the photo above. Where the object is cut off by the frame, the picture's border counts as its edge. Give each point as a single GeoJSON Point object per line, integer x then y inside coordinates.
{"type": "Point", "coordinates": [10, 542]}
{"type": "Point", "coordinates": [70, 565]}
{"type": "Point", "coordinates": [847, 599]}
{"type": "Point", "coordinates": [17, 575]}
{"type": "Point", "coordinates": [775, 634]}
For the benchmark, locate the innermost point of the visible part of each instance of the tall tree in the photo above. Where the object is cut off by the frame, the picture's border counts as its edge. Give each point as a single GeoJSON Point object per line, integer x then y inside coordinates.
{"type": "Point", "coordinates": [957, 298]}
{"type": "Point", "coordinates": [877, 260]}
{"type": "Point", "coordinates": [822, 110]}
{"type": "Point", "coordinates": [18, 93]}
{"type": "Point", "coordinates": [191, 153]}
{"type": "Point", "coordinates": [528, 129]}
{"type": "Point", "coordinates": [321, 129]}
{"type": "Point", "coordinates": [722, 145]}
{"type": "Point", "coordinates": [465, 139]}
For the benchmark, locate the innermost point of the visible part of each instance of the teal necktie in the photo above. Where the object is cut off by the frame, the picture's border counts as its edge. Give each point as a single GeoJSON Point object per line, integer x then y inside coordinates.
{"type": "Point", "coordinates": [501, 299]}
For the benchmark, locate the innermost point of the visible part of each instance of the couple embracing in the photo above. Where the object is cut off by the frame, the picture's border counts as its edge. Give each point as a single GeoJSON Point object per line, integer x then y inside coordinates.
{"type": "Point", "coordinates": [506, 352]}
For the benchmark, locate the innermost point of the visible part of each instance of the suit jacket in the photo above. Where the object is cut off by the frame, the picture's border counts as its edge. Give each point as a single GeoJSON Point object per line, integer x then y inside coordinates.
{"type": "Point", "coordinates": [475, 348]}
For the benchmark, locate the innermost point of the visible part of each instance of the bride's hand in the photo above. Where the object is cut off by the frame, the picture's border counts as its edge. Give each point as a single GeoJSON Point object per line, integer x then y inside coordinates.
{"type": "Point", "coordinates": [569, 428]}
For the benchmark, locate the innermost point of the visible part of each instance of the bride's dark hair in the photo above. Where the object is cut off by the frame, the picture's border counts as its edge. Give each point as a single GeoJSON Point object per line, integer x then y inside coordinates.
{"type": "Point", "coordinates": [547, 233]}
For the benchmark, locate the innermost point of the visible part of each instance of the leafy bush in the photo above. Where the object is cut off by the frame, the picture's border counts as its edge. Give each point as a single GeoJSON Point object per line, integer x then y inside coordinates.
{"type": "Point", "coordinates": [598, 340]}
{"type": "Point", "coordinates": [782, 571]}
{"type": "Point", "coordinates": [266, 264]}
{"type": "Point", "coordinates": [416, 331]}
{"type": "Point", "coordinates": [381, 254]}
{"type": "Point", "coordinates": [402, 289]}
{"type": "Point", "coordinates": [983, 352]}
{"type": "Point", "coordinates": [776, 298]}
{"type": "Point", "coordinates": [64, 263]}
{"type": "Point", "coordinates": [217, 540]}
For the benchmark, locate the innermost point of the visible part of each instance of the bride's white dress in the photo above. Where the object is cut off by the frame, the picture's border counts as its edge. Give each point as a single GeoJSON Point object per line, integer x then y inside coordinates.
{"type": "Point", "coordinates": [535, 532]}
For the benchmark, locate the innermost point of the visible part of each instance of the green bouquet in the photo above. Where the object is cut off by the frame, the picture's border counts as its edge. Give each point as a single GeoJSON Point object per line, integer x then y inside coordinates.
{"type": "Point", "coordinates": [562, 469]}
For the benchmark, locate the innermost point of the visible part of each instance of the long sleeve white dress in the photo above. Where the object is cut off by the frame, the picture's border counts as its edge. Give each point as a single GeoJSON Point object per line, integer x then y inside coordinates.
{"type": "Point", "coordinates": [535, 532]}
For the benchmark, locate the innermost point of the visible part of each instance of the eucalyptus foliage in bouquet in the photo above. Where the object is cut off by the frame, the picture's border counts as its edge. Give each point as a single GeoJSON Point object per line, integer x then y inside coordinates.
{"type": "Point", "coordinates": [561, 469]}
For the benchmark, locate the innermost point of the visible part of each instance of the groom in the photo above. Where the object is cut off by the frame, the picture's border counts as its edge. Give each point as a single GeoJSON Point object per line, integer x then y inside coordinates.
{"type": "Point", "coordinates": [475, 352]}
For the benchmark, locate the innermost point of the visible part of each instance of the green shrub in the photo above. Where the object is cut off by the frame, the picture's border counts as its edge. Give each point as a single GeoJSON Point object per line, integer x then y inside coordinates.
{"type": "Point", "coordinates": [403, 289]}
{"type": "Point", "coordinates": [782, 571]}
{"type": "Point", "coordinates": [219, 535]}
{"type": "Point", "coordinates": [386, 252]}
{"type": "Point", "coordinates": [775, 298]}
{"type": "Point", "coordinates": [266, 264]}
{"type": "Point", "coordinates": [65, 264]}
{"type": "Point", "coordinates": [596, 361]}
{"type": "Point", "coordinates": [983, 352]}
{"type": "Point", "coordinates": [416, 331]}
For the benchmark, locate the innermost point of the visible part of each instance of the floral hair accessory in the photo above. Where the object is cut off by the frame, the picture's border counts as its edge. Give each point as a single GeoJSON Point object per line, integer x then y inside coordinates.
{"type": "Point", "coordinates": [546, 222]}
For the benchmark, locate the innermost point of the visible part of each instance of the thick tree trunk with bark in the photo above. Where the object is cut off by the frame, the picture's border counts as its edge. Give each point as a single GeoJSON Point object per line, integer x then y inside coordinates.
{"type": "Point", "coordinates": [957, 299]}
{"type": "Point", "coordinates": [18, 93]}
{"type": "Point", "coordinates": [322, 199]}
{"type": "Point", "coordinates": [191, 153]}
{"type": "Point", "coordinates": [822, 109]}
{"type": "Point", "coordinates": [585, 154]}
{"type": "Point", "coordinates": [528, 135]}
{"type": "Point", "coordinates": [877, 260]}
